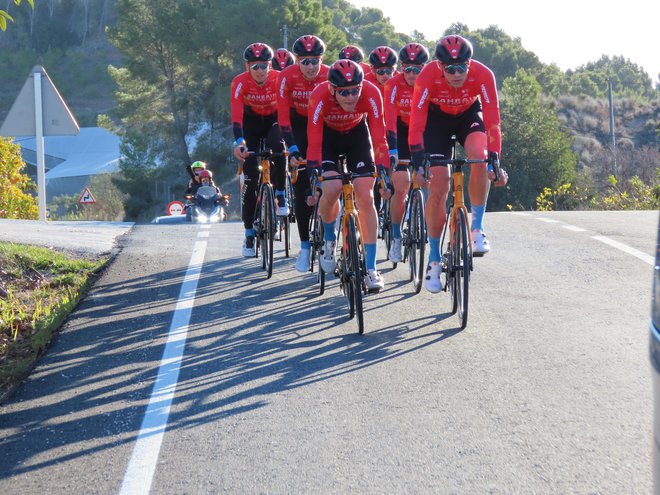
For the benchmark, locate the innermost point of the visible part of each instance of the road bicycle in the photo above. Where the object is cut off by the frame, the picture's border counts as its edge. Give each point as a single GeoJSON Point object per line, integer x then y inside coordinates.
{"type": "Point", "coordinates": [455, 241]}
{"type": "Point", "coordinates": [284, 221]}
{"type": "Point", "coordinates": [350, 266]}
{"type": "Point", "coordinates": [385, 215]}
{"type": "Point", "coordinates": [265, 221]}
{"type": "Point", "coordinates": [316, 232]}
{"type": "Point", "coordinates": [413, 230]}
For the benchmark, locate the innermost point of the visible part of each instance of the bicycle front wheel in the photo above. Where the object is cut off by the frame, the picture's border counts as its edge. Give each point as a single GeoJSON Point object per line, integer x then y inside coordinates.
{"type": "Point", "coordinates": [417, 240]}
{"type": "Point", "coordinates": [460, 267]}
{"type": "Point", "coordinates": [354, 272]}
{"type": "Point", "coordinates": [267, 229]}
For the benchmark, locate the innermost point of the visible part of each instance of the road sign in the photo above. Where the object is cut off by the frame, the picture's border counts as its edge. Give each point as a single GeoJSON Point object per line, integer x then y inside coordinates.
{"type": "Point", "coordinates": [56, 116]}
{"type": "Point", "coordinates": [39, 111]}
{"type": "Point", "coordinates": [86, 197]}
{"type": "Point", "coordinates": [175, 208]}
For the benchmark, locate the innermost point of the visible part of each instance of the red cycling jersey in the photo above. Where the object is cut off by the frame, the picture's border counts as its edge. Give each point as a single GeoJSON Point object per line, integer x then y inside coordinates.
{"type": "Point", "coordinates": [294, 92]}
{"type": "Point", "coordinates": [324, 110]}
{"type": "Point", "coordinates": [432, 88]}
{"type": "Point", "coordinates": [397, 100]}
{"type": "Point", "coordinates": [262, 100]}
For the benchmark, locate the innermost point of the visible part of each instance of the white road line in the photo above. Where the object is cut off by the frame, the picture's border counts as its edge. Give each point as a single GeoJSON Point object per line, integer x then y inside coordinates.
{"type": "Point", "coordinates": [547, 220]}
{"type": "Point", "coordinates": [574, 228]}
{"type": "Point", "coordinates": [625, 248]}
{"type": "Point", "coordinates": [205, 226]}
{"type": "Point", "coordinates": [140, 471]}
{"type": "Point", "coordinates": [203, 233]}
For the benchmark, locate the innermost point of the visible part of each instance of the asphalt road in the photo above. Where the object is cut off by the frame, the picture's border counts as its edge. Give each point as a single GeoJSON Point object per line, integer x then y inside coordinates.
{"type": "Point", "coordinates": [547, 390]}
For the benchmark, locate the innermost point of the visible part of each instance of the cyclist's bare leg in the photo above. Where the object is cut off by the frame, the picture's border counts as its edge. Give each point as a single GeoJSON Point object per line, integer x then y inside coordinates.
{"type": "Point", "coordinates": [475, 148]}
{"type": "Point", "coordinates": [436, 210]}
{"type": "Point", "coordinates": [329, 201]}
{"type": "Point", "coordinates": [364, 195]}
{"type": "Point", "coordinates": [401, 181]}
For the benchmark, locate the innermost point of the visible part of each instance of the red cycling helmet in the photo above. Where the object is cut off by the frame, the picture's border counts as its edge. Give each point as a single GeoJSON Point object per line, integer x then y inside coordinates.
{"type": "Point", "coordinates": [351, 52]}
{"type": "Point", "coordinates": [345, 73]}
{"type": "Point", "coordinates": [453, 49]}
{"type": "Point", "coordinates": [383, 56]}
{"type": "Point", "coordinates": [414, 53]}
{"type": "Point", "coordinates": [283, 58]}
{"type": "Point", "coordinates": [308, 46]}
{"type": "Point", "coordinates": [205, 174]}
{"type": "Point", "coordinates": [258, 52]}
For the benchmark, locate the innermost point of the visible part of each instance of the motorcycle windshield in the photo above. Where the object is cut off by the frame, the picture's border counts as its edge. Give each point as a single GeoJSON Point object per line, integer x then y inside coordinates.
{"type": "Point", "coordinates": [205, 197]}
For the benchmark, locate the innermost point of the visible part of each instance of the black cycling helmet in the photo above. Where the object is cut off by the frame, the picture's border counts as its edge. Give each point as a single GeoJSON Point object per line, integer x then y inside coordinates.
{"type": "Point", "coordinates": [453, 49]}
{"type": "Point", "coordinates": [282, 59]}
{"type": "Point", "coordinates": [351, 52]}
{"type": "Point", "coordinates": [345, 73]}
{"type": "Point", "coordinates": [414, 53]}
{"type": "Point", "coordinates": [258, 52]}
{"type": "Point", "coordinates": [308, 46]}
{"type": "Point", "coordinates": [383, 56]}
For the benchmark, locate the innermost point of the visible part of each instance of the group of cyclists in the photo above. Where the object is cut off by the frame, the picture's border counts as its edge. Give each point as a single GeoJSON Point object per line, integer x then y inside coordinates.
{"type": "Point", "coordinates": [395, 110]}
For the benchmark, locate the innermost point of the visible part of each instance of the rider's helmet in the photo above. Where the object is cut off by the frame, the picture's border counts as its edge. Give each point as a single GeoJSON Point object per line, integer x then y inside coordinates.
{"type": "Point", "coordinates": [258, 52]}
{"type": "Point", "coordinates": [383, 56]}
{"type": "Point", "coordinates": [414, 53]}
{"type": "Point", "coordinates": [308, 46]}
{"type": "Point", "coordinates": [351, 52]}
{"type": "Point", "coordinates": [453, 49]}
{"type": "Point", "coordinates": [205, 174]}
{"type": "Point", "coordinates": [197, 166]}
{"type": "Point", "coordinates": [283, 58]}
{"type": "Point", "coordinates": [344, 73]}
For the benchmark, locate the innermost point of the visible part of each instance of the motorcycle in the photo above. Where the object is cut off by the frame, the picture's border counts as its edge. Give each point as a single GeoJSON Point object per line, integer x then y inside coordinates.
{"type": "Point", "coordinates": [206, 206]}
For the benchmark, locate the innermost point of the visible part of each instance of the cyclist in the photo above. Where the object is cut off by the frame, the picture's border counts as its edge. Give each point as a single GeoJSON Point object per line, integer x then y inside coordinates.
{"type": "Point", "coordinates": [254, 116]}
{"type": "Point", "coordinates": [398, 95]}
{"type": "Point", "coordinates": [282, 59]}
{"type": "Point", "coordinates": [354, 53]}
{"type": "Point", "coordinates": [194, 170]}
{"type": "Point", "coordinates": [383, 62]}
{"type": "Point", "coordinates": [455, 95]}
{"type": "Point", "coordinates": [295, 85]}
{"type": "Point", "coordinates": [345, 116]}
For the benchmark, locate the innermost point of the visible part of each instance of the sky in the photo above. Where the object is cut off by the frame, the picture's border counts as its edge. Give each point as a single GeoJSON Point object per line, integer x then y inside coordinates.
{"type": "Point", "coordinates": [569, 33]}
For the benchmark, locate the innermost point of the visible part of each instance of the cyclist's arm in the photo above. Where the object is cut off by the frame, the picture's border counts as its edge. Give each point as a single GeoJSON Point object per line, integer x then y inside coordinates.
{"type": "Point", "coordinates": [391, 111]}
{"type": "Point", "coordinates": [237, 107]}
{"type": "Point", "coordinates": [490, 107]}
{"type": "Point", "coordinates": [419, 113]}
{"type": "Point", "coordinates": [284, 105]}
{"type": "Point", "coordinates": [315, 124]}
{"type": "Point", "coordinates": [376, 121]}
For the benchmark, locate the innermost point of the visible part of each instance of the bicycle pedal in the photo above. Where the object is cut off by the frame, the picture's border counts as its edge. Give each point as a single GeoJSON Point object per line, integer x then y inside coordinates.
{"type": "Point", "coordinates": [477, 255]}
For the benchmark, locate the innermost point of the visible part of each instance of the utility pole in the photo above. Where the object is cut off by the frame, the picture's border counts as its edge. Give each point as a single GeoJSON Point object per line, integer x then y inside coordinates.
{"type": "Point", "coordinates": [612, 139]}
{"type": "Point", "coordinates": [284, 37]}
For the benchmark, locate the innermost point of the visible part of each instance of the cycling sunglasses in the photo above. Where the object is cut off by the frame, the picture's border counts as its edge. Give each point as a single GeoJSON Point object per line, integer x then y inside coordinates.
{"type": "Point", "coordinates": [454, 68]}
{"type": "Point", "coordinates": [387, 70]}
{"type": "Point", "coordinates": [310, 61]}
{"type": "Point", "coordinates": [259, 66]}
{"type": "Point", "coordinates": [415, 69]}
{"type": "Point", "coordinates": [349, 92]}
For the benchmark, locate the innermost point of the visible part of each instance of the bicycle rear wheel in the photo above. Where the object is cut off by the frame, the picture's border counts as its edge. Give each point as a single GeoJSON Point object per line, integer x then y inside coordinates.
{"type": "Point", "coordinates": [267, 218]}
{"type": "Point", "coordinates": [354, 272]}
{"type": "Point", "coordinates": [387, 227]}
{"type": "Point", "coordinates": [460, 267]}
{"type": "Point", "coordinates": [416, 240]}
{"type": "Point", "coordinates": [316, 242]}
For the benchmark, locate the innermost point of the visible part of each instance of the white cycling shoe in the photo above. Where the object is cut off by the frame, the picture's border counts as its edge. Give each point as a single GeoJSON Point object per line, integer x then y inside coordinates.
{"type": "Point", "coordinates": [302, 263]}
{"type": "Point", "coordinates": [248, 247]}
{"type": "Point", "coordinates": [327, 259]}
{"type": "Point", "coordinates": [395, 255]}
{"type": "Point", "coordinates": [480, 244]}
{"type": "Point", "coordinates": [374, 281]}
{"type": "Point", "coordinates": [432, 282]}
